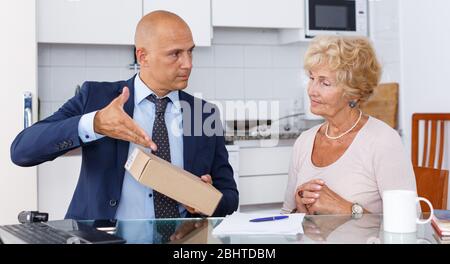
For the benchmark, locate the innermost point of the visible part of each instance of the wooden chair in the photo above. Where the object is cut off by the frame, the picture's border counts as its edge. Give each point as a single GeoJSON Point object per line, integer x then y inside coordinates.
{"type": "Point", "coordinates": [432, 181]}
{"type": "Point", "coordinates": [431, 147]}
{"type": "Point", "coordinates": [433, 185]}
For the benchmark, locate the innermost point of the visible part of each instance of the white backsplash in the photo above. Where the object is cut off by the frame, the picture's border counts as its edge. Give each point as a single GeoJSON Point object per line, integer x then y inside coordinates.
{"type": "Point", "coordinates": [61, 67]}
{"type": "Point", "coordinates": [224, 71]}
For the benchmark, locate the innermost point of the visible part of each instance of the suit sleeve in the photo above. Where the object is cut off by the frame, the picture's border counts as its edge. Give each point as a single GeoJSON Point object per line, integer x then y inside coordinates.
{"type": "Point", "coordinates": [53, 136]}
{"type": "Point", "coordinates": [222, 174]}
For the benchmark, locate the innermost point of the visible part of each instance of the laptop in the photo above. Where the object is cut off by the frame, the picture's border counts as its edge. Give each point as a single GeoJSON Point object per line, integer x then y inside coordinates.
{"type": "Point", "coordinates": [56, 232]}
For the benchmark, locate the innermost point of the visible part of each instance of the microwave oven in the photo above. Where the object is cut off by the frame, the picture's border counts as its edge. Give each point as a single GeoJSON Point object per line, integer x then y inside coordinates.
{"type": "Point", "coordinates": [336, 17]}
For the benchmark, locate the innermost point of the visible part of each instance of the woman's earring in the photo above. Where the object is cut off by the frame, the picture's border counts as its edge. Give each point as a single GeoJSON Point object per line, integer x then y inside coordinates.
{"type": "Point", "coordinates": [352, 104]}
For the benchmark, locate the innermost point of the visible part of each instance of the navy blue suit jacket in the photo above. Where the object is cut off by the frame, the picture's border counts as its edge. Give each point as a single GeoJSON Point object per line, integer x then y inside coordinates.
{"type": "Point", "coordinates": [99, 187]}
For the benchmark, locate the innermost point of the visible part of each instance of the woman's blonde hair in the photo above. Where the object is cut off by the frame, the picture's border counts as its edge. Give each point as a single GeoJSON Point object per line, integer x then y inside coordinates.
{"type": "Point", "coordinates": [352, 58]}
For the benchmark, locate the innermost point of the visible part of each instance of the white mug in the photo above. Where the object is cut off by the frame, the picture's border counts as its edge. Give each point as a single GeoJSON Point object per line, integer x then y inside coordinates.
{"type": "Point", "coordinates": [400, 211]}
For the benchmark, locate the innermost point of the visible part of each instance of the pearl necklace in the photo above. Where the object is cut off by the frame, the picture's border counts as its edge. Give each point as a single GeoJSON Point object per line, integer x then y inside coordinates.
{"type": "Point", "coordinates": [346, 132]}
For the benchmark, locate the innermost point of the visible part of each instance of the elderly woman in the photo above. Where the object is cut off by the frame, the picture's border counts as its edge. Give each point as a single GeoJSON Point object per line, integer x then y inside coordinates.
{"type": "Point", "coordinates": [343, 165]}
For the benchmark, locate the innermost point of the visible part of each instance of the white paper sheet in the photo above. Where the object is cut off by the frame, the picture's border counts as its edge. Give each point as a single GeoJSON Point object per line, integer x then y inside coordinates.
{"type": "Point", "coordinates": [239, 224]}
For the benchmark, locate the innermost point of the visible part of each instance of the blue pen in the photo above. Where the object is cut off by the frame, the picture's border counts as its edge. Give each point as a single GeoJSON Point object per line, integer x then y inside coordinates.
{"type": "Point", "coordinates": [272, 218]}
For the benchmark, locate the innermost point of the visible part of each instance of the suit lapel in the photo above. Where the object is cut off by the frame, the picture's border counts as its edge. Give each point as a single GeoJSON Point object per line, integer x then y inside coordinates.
{"type": "Point", "coordinates": [122, 146]}
{"type": "Point", "coordinates": [188, 131]}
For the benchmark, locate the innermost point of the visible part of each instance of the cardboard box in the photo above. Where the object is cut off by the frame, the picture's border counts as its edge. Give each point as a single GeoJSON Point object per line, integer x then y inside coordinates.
{"type": "Point", "coordinates": [173, 182]}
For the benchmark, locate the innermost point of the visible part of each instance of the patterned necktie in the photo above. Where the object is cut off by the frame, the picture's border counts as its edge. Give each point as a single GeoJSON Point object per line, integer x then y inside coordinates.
{"type": "Point", "coordinates": [164, 230]}
{"type": "Point", "coordinates": [165, 207]}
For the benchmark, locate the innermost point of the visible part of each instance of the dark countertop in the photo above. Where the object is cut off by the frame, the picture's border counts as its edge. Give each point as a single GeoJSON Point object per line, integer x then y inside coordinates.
{"type": "Point", "coordinates": [284, 139]}
{"type": "Point", "coordinates": [231, 138]}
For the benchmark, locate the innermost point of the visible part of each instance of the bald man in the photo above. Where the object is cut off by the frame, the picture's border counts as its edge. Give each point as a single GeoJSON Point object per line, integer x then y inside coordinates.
{"type": "Point", "coordinates": [150, 110]}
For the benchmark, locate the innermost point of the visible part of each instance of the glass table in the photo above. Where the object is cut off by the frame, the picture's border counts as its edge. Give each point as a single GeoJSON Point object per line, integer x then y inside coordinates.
{"type": "Point", "coordinates": [318, 229]}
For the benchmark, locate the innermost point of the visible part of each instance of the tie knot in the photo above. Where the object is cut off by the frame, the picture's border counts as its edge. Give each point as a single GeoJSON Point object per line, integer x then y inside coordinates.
{"type": "Point", "coordinates": [160, 103]}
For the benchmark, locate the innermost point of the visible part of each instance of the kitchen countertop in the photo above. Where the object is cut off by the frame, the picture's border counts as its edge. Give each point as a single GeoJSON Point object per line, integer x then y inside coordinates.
{"type": "Point", "coordinates": [281, 136]}
{"type": "Point", "coordinates": [284, 140]}
{"type": "Point", "coordinates": [264, 143]}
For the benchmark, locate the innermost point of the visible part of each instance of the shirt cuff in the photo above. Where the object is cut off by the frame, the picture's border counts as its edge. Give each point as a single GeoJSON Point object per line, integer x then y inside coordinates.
{"type": "Point", "coordinates": [86, 128]}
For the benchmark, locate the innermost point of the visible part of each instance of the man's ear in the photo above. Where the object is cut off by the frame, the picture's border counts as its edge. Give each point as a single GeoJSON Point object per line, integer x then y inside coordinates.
{"type": "Point", "coordinates": [141, 56]}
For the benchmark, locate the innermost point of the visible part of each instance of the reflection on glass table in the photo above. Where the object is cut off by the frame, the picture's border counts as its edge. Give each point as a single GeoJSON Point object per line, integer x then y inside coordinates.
{"type": "Point", "coordinates": [318, 229]}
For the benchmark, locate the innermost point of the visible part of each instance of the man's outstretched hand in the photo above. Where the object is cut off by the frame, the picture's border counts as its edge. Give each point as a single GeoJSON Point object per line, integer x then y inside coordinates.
{"type": "Point", "coordinates": [113, 121]}
{"type": "Point", "coordinates": [206, 179]}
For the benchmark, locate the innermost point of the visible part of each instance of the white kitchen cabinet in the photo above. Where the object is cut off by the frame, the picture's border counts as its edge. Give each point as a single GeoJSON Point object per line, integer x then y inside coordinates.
{"type": "Point", "coordinates": [57, 180]}
{"type": "Point", "coordinates": [263, 174]}
{"type": "Point", "coordinates": [88, 21]}
{"type": "Point", "coordinates": [258, 13]}
{"type": "Point", "coordinates": [263, 161]}
{"type": "Point", "coordinates": [233, 159]}
{"type": "Point", "coordinates": [196, 13]}
{"type": "Point", "coordinates": [264, 189]}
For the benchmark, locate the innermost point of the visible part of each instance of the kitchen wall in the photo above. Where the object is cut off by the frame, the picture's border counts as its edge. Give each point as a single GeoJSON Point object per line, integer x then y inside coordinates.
{"type": "Point", "coordinates": [249, 64]}
{"type": "Point", "coordinates": [384, 32]}
{"type": "Point", "coordinates": [425, 38]}
{"type": "Point", "coordinates": [242, 64]}
{"type": "Point", "coordinates": [425, 34]}
{"type": "Point", "coordinates": [62, 67]}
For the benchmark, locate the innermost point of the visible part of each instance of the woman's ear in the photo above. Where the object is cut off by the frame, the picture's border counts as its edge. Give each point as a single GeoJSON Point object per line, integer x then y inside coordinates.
{"type": "Point", "coordinates": [352, 101]}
